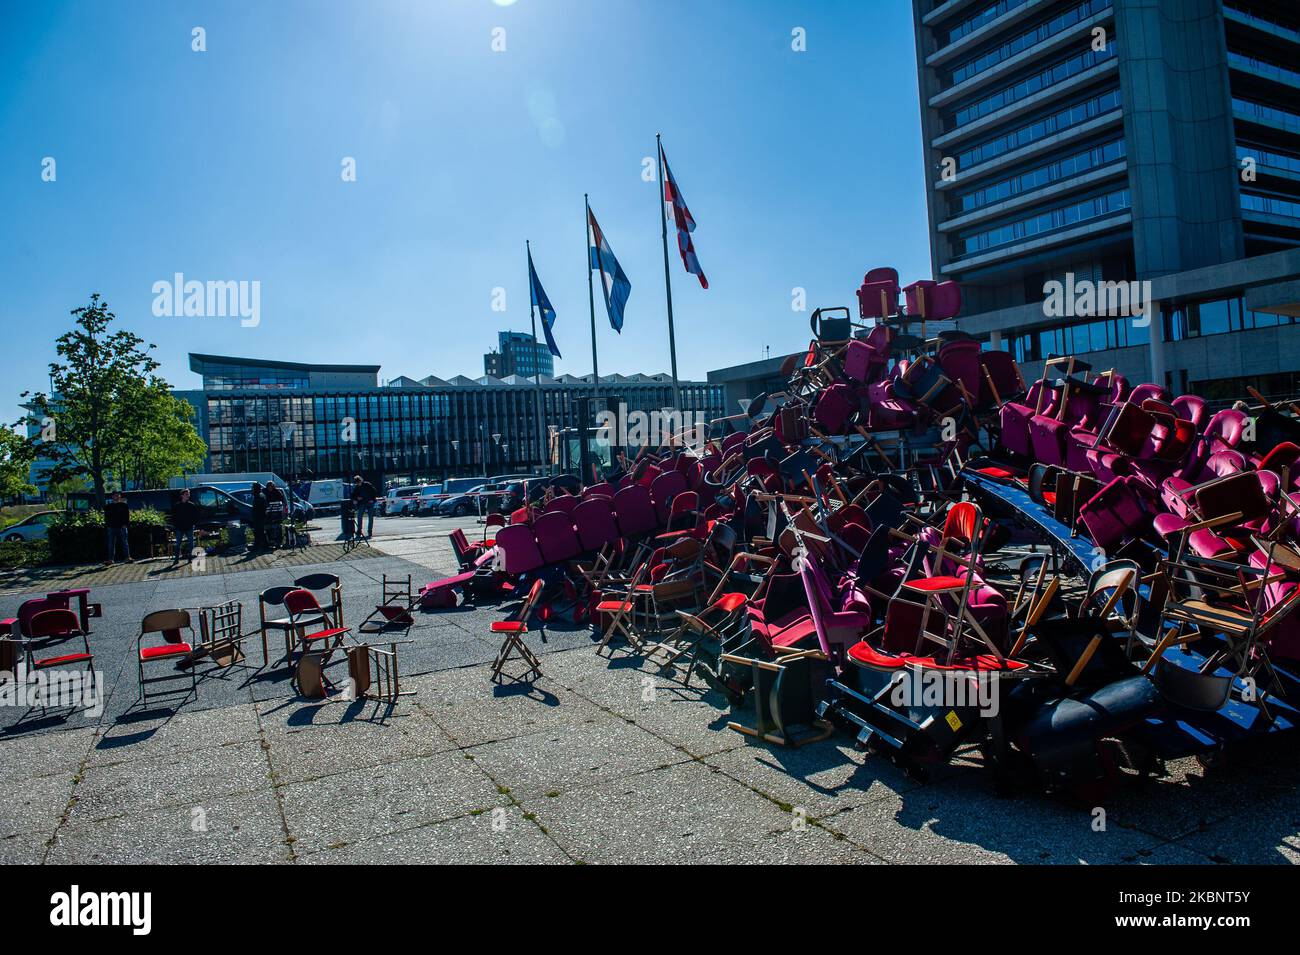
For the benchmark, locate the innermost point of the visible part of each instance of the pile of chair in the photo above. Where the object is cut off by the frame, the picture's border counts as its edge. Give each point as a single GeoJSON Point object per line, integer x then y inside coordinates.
{"type": "Point", "coordinates": [1065, 564]}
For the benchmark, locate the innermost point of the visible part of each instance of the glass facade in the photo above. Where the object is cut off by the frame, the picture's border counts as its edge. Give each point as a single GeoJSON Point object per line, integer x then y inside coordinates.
{"type": "Point", "coordinates": [1042, 223]}
{"type": "Point", "coordinates": [1024, 40]}
{"type": "Point", "coordinates": [430, 432]}
{"type": "Point", "coordinates": [1067, 167]}
{"type": "Point", "coordinates": [1035, 82]}
{"type": "Point", "coordinates": [1057, 121]}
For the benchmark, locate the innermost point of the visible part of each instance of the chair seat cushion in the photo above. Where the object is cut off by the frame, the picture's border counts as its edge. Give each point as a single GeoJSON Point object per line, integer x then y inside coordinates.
{"type": "Point", "coordinates": [508, 626]}
{"type": "Point", "coordinates": [729, 602]}
{"type": "Point", "coordinates": [57, 661]}
{"type": "Point", "coordinates": [166, 650]}
{"type": "Point", "coordinates": [612, 606]}
{"type": "Point", "coordinates": [324, 634]}
{"type": "Point", "coordinates": [931, 584]}
{"type": "Point", "coordinates": [863, 654]}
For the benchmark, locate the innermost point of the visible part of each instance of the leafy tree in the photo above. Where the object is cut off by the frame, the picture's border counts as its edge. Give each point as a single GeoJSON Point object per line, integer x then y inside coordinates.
{"type": "Point", "coordinates": [108, 412]}
{"type": "Point", "coordinates": [16, 456]}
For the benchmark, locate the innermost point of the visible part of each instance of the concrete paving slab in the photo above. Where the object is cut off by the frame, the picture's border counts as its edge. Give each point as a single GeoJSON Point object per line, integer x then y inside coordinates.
{"type": "Point", "coordinates": [497, 837]}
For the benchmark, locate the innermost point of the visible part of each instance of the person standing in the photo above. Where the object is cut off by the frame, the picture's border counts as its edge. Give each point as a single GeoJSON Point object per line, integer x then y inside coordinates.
{"type": "Point", "coordinates": [276, 511]}
{"type": "Point", "coordinates": [363, 502]}
{"type": "Point", "coordinates": [185, 516]}
{"type": "Point", "coordinates": [259, 516]}
{"type": "Point", "coordinates": [117, 518]}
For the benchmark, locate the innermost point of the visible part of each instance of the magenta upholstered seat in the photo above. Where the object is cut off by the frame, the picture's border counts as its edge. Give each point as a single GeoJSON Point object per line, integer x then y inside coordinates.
{"type": "Point", "coordinates": [666, 487]}
{"type": "Point", "coordinates": [865, 360]}
{"type": "Point", "coordinates": [1047, 439]}
{"type": "Point", "coordinates": [1016, 416]}
{"type": "Point", "coordinates": [1000, 366]}
{"type": "Point", "coordinates": [561, 502]}
{"type": "Point", "coordinates": [518, 549]}
{"type": "Point", "coordinates": [594, 520]}
{"type": "Point", "coordinates": [1225, 430]}
{"type": "Point", "coordinates": [634, 511]}
{"type": "Point", "coordinates": [556, 537]}
{"type": "Point", "coordinates": [960, 361]}
{"type": "Point", "coordinates": [1117, 513]}
{"type": "Point", "coordinates": [1191, 408]}
{"type": "Point", "coordinates": [834, 407]}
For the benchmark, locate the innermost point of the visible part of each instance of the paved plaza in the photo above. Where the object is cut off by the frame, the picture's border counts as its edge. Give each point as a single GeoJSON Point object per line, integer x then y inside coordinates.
{"type": "Point", "coordinates": [602, 760]}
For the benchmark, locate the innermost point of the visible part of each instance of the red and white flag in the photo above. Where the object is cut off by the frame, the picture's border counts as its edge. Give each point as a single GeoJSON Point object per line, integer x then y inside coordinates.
{"type": "Point", "coordinates": [685, 223]}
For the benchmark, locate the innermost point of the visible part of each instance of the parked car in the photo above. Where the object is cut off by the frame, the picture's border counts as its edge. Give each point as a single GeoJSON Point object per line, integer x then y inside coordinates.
{"type": "Point", "coordinates": [298, 508]}
{"type": "Point", "coordinates": [432, 497]}
{"type": "Point", "coordinates": [34, 527]}
{"type": "Point", "coordinates": [400, 500]}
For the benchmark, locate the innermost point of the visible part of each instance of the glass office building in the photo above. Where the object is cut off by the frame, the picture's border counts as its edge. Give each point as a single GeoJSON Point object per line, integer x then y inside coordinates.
{"type": "Point", "coordinates": [336, 420]}
{"type": "Point", "coordinates": [1120, 141]}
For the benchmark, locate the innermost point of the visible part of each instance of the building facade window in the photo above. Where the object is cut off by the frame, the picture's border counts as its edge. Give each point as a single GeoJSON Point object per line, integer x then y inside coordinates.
{"type": "Point", "coordinates": [1049, 125]}
{"type": "Point", "coordinates": [1043, 223]}
{"type": "Point", "coordinates": [1029, 85]}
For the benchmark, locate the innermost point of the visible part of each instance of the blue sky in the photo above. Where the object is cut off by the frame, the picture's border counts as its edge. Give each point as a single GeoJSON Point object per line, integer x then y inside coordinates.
{"type": "Point", "coordinates": [801, 169]}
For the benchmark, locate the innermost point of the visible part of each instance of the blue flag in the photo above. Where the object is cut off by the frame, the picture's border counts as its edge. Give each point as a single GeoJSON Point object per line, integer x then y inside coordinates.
{"type": "Point", "coordinates": [543, 305]}
{"type": "Point", "coordinates": [613, 283]}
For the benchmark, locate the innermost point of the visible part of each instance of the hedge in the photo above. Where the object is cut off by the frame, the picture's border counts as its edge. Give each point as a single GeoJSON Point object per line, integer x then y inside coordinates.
{"type": "Point", "coordinates": [80, 537]}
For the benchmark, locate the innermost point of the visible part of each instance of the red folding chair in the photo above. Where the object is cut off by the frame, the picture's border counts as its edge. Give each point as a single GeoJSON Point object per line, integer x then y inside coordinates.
{"type": "Point", "coordinates": [514, 628]}
{"type": "Point", "coordinates": [172, 626]}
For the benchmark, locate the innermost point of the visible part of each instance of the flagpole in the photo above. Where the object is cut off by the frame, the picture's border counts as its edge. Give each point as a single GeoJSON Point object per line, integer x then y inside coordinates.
{"type": "Point", "coordinates": [591, 302]}
{"type": "Point", "coordinates": [668, 282]}
{"type": "Point", "coordinates": [537, 364]}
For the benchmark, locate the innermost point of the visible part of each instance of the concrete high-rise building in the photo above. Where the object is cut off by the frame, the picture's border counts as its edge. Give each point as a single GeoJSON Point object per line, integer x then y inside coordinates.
{"type": "Point", "coordinates": [1103, 141]}
{"type": "Point", "coordinates": [518, 353]}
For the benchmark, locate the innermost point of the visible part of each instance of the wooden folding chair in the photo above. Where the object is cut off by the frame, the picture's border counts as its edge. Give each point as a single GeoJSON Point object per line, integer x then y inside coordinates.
{"type": "Point", "coordinates": [375, 669]}
{"type": "Point", "coordinates": [221, 633]}
{"type": "Point", "coordinates": [395, 607]}
{"type": "Point", "coordinates": [514, 628]}
{"type": "Point", "coordinates": [620, 610]}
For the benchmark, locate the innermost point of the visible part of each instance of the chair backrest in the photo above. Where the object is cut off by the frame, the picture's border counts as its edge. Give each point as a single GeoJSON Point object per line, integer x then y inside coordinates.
{"type": "Point", "coordinates": [274, 596]}
{"type": "Point", "coordinates": [665, 487]}
{"type": "Point", "coordinates": [301, 601]}
{"type": "Point", "coordinates": [960, 361]}
{"type": "Point", "coordinates": [564, 503]}
{"type": "Point", "coordinates": [317, 582]}
{"type": "Point", "coordinates": [1191, 408]}
{"type": "Point", "coordinates": [57, 622]}
{"type": "Point", "coordinates": [1225, 429]}
{"type": "Point", "coordinates": [603, 489]}
{"type": "Point", "coordinates": [1002, 369]}
{"type": "Point", "coordinates": [556, 538]}
{"type": "Point", "coordinates": [29, 609]}
{"type": "Point", "coordinates": [495, 520]}
{"type": "Point", "coordinates": [961, 524]}
{"type": "Point", "coordinates": [518, 549]}
{"type": "Point", "coordinates": [594, 520]}
{"type": "Point", "coordinates": [943, 301]}
{"type": "Point", "coordinates": [1147, 390]}
{"type": "Point", "coordinates": [819, 604]}
{"type": "Point", "coordinates": [530, 601]}
{"type": "Point", "coordinates": [634, 511]}
{"type": "Point", "coordinates": [169, 623]}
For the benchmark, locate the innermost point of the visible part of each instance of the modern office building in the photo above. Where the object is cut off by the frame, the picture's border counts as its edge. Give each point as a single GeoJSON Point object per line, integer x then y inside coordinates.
{"type": "Point", "coordinates": [518, 353]}
{"type": "Point", "coordinates": [1088, 142]}
{"type": "Point", "coordinates": [335, 420]}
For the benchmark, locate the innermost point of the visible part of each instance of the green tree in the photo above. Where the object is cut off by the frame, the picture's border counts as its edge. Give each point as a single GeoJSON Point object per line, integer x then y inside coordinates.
{"type": "Point", "coordinates": [16, 456]}
{"type": "Point", "coordinates": [108, 412]}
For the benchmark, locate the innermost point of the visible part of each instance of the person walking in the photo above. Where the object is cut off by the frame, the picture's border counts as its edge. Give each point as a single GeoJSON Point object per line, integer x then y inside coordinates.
{"type": "Point", "coordinates": [117, 519]}
{"type": "Point", "coordinates": [185, 516]}
{"type": "Point", "coordinates": [259, 516]}
{"type": "Point", "coordinates": [363, 502]}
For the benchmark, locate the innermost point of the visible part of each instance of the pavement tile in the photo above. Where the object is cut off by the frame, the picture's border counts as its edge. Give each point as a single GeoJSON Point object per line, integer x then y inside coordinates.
{"type": "Point", "coordinates": [27, 756]}
{"type": "Point", "coordinates": [568, 757]}
{"type": "Point", "coordinates": [232, 830]}
{"type": "Point", "coordinates": [683, 814]}
{"type": "Point", "coordinates": [151, 734]}
{"type": "Point", "coordinates": [32, 808]}
{"type": "Point", "coordinates": [359, 803]}
{"type": "Point", "coordinates": [187, 777]}
{"type": "Point", "coordinates": [961, 820]}
{"type": "Point", "coordinates": [496, 837]}
{"type": "Point", "coordinates": [315, 741]}
{"type": "Point", "coordinates": [474, 710]}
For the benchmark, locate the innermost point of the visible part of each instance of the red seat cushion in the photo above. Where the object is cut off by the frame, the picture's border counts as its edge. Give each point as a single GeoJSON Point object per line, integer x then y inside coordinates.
{"type": "Point", "coordinates": [325, 634]}
{"type": "Point", "coordinates": [867, 655]}
{"type": "Point", "coordinates": [995, 472]}
{"type": "Point", "coordinates": [729, 602]}
{"type": "Point", "coordinates": [508, 626]}
{"type": "Point", "coordinates": [794, 634]}
{"type": "Point", "coordinates": [56, 661]}
{"type": "Point", "coordinates": [612, 606]}
{"type": "Point", "coordinates": [936, 583]}
{"type": "Point", "coordinates": [166, 650]}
